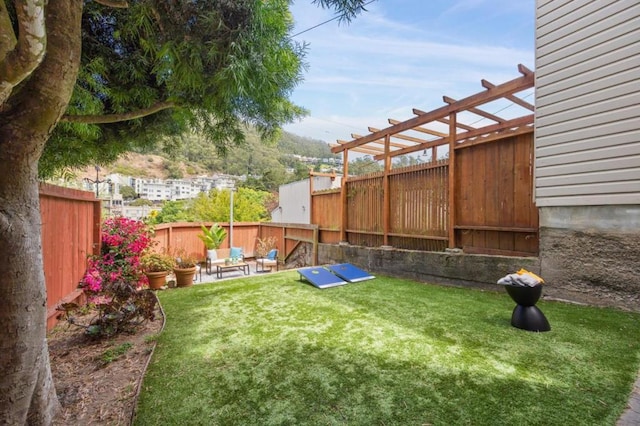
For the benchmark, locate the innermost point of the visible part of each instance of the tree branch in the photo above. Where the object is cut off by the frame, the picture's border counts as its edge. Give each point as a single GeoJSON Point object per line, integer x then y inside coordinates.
{"type": "Point", "coordinates": [116, 118]}
{"type": "Point", "coordinates": [19, 62]}
{"type": "Point", "coordinates": [120, 4]}
{"type": "Point", "coordinates": [7, 35]}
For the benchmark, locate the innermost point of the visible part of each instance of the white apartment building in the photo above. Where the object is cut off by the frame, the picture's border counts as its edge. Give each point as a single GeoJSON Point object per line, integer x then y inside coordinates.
{"type": "Point", "coordinates": [152, 189]}
{"type": "Point", "coordinates": [182, 189]}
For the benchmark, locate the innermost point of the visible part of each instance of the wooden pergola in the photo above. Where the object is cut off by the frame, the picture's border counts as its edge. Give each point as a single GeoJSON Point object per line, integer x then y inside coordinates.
{"type": "Point", "coordinates": [405, 137]}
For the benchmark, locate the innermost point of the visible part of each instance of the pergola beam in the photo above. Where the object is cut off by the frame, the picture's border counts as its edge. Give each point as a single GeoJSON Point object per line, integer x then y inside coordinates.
{"type": "Point", "coordinates": [527, 128]}
{"type": "Point", "coordinates": [368, 147]}
{"type": "Point", "coordinates": [509, 124]}
{"type": "Point", "coordinates": [381, 141]}
{"type": "Point", "coordinates": [409, 150]}
{"type": "Point", "coordinates": [512, 98]}
{"type": "Point", "coordinates": [421, 129]}
{"type": "Point", "coordinates": [477, 111]}
{"type": "Point", "coordinates": [458, 124]}
{"type": "Point", "coordinates": [367, 150]}
{"type": "Point", "coordinates": [403, 137]}
{"type": "Point", "coordinates": [496, 92]}
{"type": "Point", "coordinates": [516, 100]}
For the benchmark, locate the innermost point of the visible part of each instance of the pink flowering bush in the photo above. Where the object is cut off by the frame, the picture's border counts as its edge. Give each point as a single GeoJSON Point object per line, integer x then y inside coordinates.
{"type": "Point", "coordinates": [114, 279]}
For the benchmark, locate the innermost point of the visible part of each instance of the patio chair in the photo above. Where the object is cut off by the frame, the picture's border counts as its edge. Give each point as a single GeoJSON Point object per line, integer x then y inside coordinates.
{"type": "Point", "coordinates": [269, 261]}
{"type": "Point", "coordinates": [236, 254]}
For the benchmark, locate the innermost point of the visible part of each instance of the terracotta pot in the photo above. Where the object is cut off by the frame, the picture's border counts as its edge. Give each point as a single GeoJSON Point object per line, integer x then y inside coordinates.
{"type": "Point", "coordinates": [184, 276]}
{"type": "Point", "coordinates": [157, 279]}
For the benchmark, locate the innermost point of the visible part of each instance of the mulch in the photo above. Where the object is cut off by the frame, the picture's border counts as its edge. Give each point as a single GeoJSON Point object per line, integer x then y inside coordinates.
{"type": "Point", "coordinates": [93, 387]}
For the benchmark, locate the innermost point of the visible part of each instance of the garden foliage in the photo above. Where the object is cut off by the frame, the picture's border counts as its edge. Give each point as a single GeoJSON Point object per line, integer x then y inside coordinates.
{"type": "Point", "coordinates": [114, 282]}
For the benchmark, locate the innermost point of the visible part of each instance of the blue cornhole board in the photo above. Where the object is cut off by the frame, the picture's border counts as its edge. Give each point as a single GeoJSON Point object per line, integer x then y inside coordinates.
{"type": "Point", "coordinates": [320, 277]}
{"type": "Point", "coordinates": [350, 273]}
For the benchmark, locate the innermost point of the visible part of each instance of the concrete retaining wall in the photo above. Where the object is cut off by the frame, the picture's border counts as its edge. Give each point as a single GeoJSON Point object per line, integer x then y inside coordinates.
{"type": "Point", "coordinates": [458, 269]}
{"type": "Point", "coordinates": [596, 267]}
{"type": "Point", "coordinates": [592, 254]}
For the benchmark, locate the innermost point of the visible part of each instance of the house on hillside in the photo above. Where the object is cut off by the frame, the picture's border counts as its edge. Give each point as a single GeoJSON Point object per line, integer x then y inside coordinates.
{"type": "Point", "coordinates": [587, 146]}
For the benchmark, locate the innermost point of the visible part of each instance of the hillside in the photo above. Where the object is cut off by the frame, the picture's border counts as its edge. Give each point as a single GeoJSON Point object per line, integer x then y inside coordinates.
{"type": "Point", "coordinates": [196, 158]}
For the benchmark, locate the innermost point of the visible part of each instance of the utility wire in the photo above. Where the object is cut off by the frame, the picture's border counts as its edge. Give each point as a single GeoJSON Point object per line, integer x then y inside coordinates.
{"type": "Point", "coordinates": [502, 109]}
{"type": "Point", "coordinates": [327, 21]}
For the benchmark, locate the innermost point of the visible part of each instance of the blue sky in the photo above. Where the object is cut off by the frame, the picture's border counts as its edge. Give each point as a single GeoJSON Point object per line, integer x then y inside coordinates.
{"type": "Point", "coordinates": [405, 54]}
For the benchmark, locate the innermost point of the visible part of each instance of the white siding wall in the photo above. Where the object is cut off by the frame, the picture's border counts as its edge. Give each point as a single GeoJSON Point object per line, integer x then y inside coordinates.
{"type": "Point", "coordinates": [587, 102]}
{"type": "Point", "coordinates": [294, 200]}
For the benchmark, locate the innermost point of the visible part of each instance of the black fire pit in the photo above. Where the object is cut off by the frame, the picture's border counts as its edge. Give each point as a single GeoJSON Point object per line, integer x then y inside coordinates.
{"type": "Point", "coordinates": [526, 314]}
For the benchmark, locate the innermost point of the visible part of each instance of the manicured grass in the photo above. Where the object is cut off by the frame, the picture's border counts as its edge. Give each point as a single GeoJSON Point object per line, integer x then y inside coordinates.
{"type": "Point", "coordinates": [271, 350]}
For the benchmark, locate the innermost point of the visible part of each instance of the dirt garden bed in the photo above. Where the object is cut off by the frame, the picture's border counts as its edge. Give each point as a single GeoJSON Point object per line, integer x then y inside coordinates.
{"type": "Point", "coordinates": [97, 380]}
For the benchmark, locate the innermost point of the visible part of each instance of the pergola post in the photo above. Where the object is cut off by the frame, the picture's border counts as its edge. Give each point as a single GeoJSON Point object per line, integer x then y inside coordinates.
{"type": "Point", "coordinates": [386, 199]}
{"type": "Point", "coordinates": [452, 179]}
{"type": "Point", "coordinates": [343, 196]}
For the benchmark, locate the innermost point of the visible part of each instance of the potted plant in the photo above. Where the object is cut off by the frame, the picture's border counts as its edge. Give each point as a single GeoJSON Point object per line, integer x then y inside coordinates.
{"type": "Point", "coordinates": [264, 246]}
{"type": "Point", "coordinates": [212, 239]}
{"type": "Point", "coordinates": [266, 254]}
{"type": "Point", "coordinates": [156, 267]}
{"type": "Point", "coordinates": [184, 269]}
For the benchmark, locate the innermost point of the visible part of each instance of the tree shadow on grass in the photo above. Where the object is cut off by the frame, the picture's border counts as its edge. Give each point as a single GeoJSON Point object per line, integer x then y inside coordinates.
{"type": "Point", "coordinates": [278, 352]}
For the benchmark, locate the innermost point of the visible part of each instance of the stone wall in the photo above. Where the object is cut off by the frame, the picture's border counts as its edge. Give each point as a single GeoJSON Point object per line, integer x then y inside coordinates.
{"type": "Point", "coordinates": [579, 262]}
{"type": "Point", "coordinates": [592, 254]}
{"type": "Point", "coordinates": [449, 268]}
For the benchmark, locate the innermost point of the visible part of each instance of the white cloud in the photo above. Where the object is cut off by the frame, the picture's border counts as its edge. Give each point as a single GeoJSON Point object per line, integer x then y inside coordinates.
{"type": "Point", "coordinates": [388, 61]}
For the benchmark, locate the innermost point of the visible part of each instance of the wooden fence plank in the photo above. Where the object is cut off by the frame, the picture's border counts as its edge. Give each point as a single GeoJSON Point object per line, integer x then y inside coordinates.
{"type": "Point", "coordinates": [493, 201]}
{"type": "Point", "coordinates": [70, 233]}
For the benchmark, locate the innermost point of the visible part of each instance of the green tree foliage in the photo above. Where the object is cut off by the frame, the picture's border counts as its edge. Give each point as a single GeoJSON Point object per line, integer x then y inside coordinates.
{"type": "Point", "coordinates": [213, 207]}
{"type": "Point", "coordinates": [173, 170]}
{"type": "Point", "coordinates": [141, 202]}
{"type": "Point", "coordinates": [174, 211]}
{"type": "Point", "coordinates": [300, 145]}
{"type": "Point", "coordinates": [301, 172]}
{"type": "Point", "coordinates": [127, 192]}
{"type": "Point", "coordinates": [405, 161]}
{"type": "Point", "coordinates": [83, 81]}
{"type": "Point", "coordinates": [364, 165]}
{"type": "Point", "coordinates": [166, 67]}
{"type": "Point", "coordinates": [269, 181]}
{"type": "Point", "coordinates": [264, 164]}
{"type": "Point", "coordinates": [249, 205]}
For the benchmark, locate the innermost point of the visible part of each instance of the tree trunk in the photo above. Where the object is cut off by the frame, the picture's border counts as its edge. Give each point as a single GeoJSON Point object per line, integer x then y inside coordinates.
{"type": "Point", "coordinates": [27, 393]}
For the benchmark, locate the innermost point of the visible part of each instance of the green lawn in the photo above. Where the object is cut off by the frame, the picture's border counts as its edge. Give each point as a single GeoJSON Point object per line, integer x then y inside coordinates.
{"type": "Point", "coordinates": [271, 350]}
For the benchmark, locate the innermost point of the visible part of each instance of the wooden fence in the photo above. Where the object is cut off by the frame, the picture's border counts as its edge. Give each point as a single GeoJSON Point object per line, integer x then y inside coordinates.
{"type": "Point", "coordinates": [290, 236]}
{"type": "Point", "coordinates": [491, 210]}
{"type": "Point", "coordinates": [326, 212]}
{"type": "Point", "coordinates": [70, 232]}
{"type": "Point", "coordinates": [495, 211]}
{"type": "Point", "coordinates": [183, 237]}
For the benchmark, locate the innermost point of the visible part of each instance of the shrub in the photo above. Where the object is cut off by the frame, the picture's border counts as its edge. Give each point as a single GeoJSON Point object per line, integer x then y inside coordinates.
{"type": "Point", "coordinates": [114, 280]}
{"type": "Point", "coordinates": [184, 260]}
{"type": "Point", "coordinates": [264, 246]}
{"type": "Point", "coordinates": [157, 262]}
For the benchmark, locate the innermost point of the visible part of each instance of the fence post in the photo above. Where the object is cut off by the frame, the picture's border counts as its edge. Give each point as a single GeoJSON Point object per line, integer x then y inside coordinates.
{"type": "Point", "coordinates": [315, 245]}
{"type": "Point", "coordinates": [97, 227]}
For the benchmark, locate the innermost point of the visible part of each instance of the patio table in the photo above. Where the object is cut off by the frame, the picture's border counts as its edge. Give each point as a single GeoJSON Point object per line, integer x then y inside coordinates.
{"type": "Point", "coordinates": [220, 268]}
